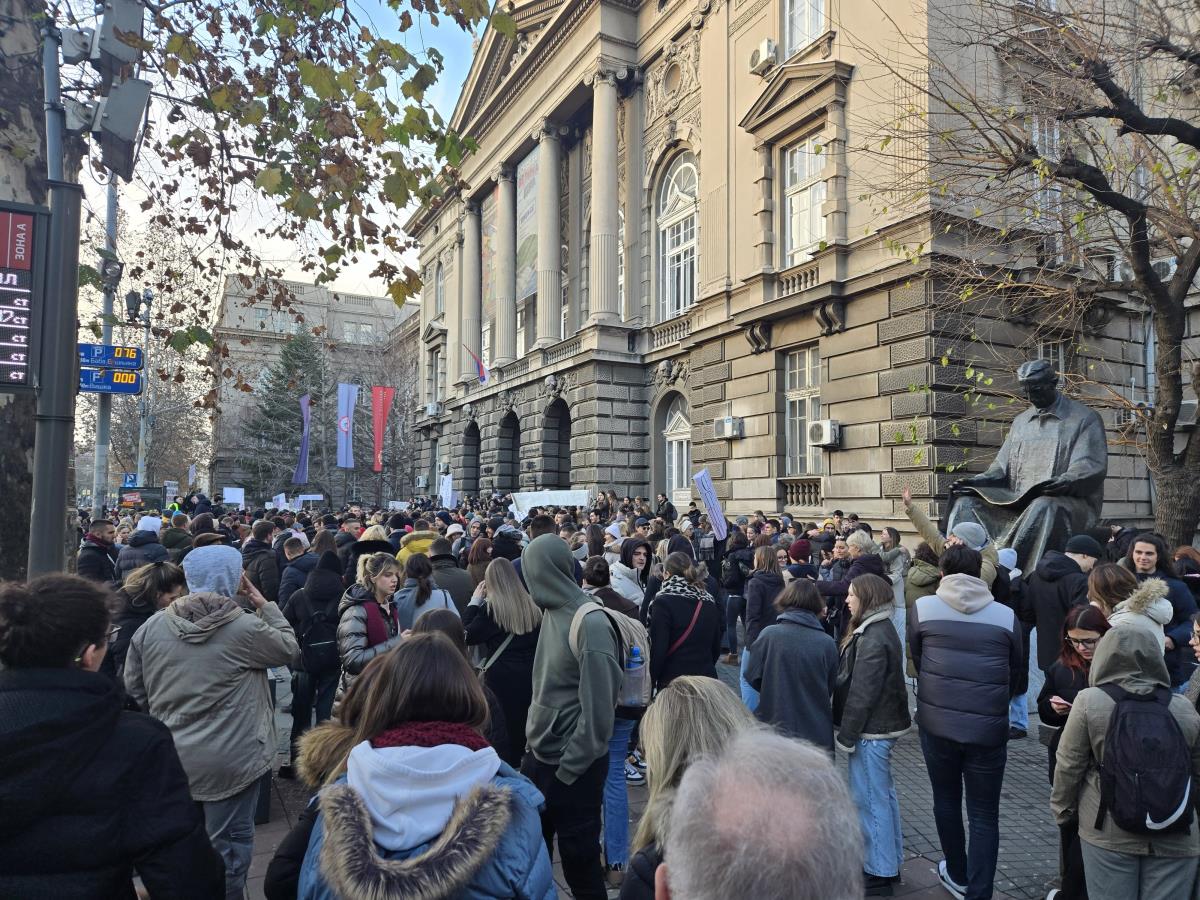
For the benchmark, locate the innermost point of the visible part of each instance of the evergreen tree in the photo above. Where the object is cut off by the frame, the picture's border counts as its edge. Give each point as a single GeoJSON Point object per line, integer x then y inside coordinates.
{"type": "Point", "coordinates": [271, 436]}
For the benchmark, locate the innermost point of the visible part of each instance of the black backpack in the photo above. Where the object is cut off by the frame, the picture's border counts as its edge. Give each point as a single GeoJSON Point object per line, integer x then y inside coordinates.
{"type": "Point", "coordinates": [318, 643]}
{"type": "Point", "coordinates": [1146, 773]}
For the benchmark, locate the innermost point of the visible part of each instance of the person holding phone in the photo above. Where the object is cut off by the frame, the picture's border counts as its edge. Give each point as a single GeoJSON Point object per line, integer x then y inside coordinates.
{"type": "Point", "coordinates": [1066, 677]}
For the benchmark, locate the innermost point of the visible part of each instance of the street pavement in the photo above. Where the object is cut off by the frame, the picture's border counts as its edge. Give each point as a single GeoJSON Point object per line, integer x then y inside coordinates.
{"type": "Point", "coordinates": [1028, 863]}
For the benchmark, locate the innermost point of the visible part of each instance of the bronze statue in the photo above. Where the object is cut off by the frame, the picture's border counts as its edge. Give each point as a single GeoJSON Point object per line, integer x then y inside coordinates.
{"type": "Point", "coordinates": [1047, 481]}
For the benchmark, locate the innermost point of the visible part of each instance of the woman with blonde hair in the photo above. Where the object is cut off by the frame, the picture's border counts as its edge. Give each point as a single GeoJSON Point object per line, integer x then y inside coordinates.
{"type": "Point", "coordinates": [368, 621]}
{"type": "Point", "coordinates": [870, 712]}
{"type": "Point", "coordinates": [503, 620]}
{"type": "Point", "coordinates": [692, 717]}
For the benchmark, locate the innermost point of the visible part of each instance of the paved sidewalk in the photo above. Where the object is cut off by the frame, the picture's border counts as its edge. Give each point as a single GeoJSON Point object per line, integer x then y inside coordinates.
{"type": "Point", "coordinates": [1028, 861]}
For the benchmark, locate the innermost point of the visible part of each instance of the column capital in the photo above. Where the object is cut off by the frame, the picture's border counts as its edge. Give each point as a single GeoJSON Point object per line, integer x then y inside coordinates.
{"type": "Point", "coordinates": [472, 208]}
{"type": "Point", "coordinates": [503, 172]}
{"type": "Point", "coordinates": [612, 73]}
{"type": "Point", "coordinates": [550, 129]}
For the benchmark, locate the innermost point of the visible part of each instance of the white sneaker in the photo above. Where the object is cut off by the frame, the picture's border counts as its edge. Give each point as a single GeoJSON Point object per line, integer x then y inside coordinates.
{"type": "Point", "coordinates": [636, 758]}
{"type": "Point", "coordinates": [956, 890]}
{"type": "Point", "coordinates": [632, 775]}
{"type": "Point", "coordinates": [1053, 894]}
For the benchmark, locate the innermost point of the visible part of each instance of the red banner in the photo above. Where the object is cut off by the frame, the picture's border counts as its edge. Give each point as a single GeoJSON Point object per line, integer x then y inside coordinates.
{"type": "Point", "coordinates": [16, 241]}
{"type": "Point", "coordinates": [381, 405]}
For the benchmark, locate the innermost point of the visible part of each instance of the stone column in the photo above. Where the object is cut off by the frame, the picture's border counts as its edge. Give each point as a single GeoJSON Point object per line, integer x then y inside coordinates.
{"type": "Point", "coordinates": [504, 340]}
{"type": "Point", "coordinates": [549, 276]}
{"type": "Point", "coordinates": [472, 296]}
{"type": "Point", "coordinates": [602, 259]}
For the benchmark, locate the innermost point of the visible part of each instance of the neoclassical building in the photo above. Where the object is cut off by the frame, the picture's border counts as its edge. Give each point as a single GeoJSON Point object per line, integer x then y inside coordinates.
{"type": "Point", "coordinates": [660, 256]}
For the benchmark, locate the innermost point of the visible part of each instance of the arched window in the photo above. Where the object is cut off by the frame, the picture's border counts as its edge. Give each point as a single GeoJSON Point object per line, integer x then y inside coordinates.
{"type": "Point", "coordinates": [677, 442]}
{"type": "Point", "coordinates": [439, 291]}
{"type": "Point", "coordinates": [677, 202]}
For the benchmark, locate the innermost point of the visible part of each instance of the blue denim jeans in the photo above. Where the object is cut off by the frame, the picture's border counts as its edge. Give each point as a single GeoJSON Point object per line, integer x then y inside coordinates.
{"type": "Point", "coordinates": [980, 770]}
{"type": "Point", "coordinates": [230, 827]}
{"type": "Point", "coordinates": [1018, 712]}
{"type": "Point", "coordinates": [874, 793]}
{"type": "Point", "coordinates": [749, 694]}
{"type": "Point", "coordinates": [616, 798]}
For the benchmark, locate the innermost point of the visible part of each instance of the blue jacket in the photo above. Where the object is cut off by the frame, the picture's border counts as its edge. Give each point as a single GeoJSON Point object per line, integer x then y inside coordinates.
{"type": "Point", "coordinates": [1180, 661]}
{"type": "Point", "coordinates": [496, 849]}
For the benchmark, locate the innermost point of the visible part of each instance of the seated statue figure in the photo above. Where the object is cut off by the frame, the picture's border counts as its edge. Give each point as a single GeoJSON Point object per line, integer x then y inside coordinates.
{"type": "Point", "coordinates": [1047, 481]}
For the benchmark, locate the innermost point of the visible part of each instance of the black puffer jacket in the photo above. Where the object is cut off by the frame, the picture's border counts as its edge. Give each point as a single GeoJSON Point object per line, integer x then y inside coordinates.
{"type": "Point", "coordinates": [96, 561]}
{"type": "Point", "coordinates": [90, 792]}
{"type": "Point", "coordinates": [143, 548]}
{"type": "Point", "coordinates": [322, 591]}
{"type": "Point", "coordinates": [869, 699]}
{"type": "Point", "coordinates": [1054, 586]}
{"type": "Point", "coordinates": [262, 567]}
{"type": "Point", "coordinates": [639, 877]}
{"type": "Point", "coordinates": [354, 647]}
{"type": "Point", "coordinates": [129, 618]}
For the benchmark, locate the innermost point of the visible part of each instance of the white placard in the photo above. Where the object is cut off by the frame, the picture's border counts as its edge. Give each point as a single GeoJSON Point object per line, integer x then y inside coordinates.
{"type": "Point", "coordinates": [397, 505]}
{"type": "Point", "coordinates": [712, 506]}
{"type": "Point", "coordinates": [523, 501]}
{"type": "Point", "coordinates": [280, 501]}
{"type": "Point", "coordinates": [309, 498]}
{"type": "Point", "coordinates": [233, 496]}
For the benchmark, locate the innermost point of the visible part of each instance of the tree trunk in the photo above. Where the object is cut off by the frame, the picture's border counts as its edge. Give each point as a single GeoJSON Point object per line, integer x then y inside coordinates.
{"type": "Point", "coordinates": [22, 179]}
{"type": "Point", "coordinates": [1178, 506]}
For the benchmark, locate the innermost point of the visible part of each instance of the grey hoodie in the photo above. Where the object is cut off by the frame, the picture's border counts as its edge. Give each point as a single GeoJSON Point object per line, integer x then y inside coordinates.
{"type": "Point", "coordinates": [1131, 659]}
{"type": "Point", "coordinates": [968, 651]}
{"type": "Point", "coordinates": [216, 569]}
{"type": "Point", "coordinates": [574, 697]}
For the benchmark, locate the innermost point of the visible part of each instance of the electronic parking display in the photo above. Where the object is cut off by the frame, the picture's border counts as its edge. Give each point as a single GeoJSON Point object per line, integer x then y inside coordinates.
{"type": "Point", "coordinates": [16, 297]}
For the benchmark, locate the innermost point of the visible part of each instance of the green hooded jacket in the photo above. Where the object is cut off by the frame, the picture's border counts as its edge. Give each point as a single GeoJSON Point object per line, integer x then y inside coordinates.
{"type": "Point", "coordinates": [571, 715]}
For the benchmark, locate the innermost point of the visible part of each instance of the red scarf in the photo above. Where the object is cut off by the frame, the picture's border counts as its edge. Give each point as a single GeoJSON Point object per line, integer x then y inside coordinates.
{"type": "Point", "coordinates": [377, 626]}
{"type": "Point", "coordinates": [430, 734]}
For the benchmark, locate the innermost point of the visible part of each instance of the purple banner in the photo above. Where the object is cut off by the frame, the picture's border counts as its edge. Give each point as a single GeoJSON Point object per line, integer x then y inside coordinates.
{"type": "Point", "coordinates": [300, 476]}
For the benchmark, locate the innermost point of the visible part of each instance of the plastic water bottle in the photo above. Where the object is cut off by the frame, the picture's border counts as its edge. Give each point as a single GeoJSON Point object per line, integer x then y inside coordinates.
{"type": "Point", "coordinates": [633, 685]}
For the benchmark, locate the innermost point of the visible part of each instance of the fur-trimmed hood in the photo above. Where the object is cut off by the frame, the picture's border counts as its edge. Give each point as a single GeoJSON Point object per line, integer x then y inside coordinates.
{"type": "Point", "coordinates": [353, 867]}
{"type": "Point", "coordinates": [1149, 599]}
{"type": "Point", "coordinates": [323, 752]}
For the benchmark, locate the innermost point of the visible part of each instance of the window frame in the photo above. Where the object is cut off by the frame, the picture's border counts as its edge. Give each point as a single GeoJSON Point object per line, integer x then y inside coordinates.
{"type": "Point", "coordinates": [678, 221]}
{"type": "Point", "coordinates": [801, 459]}
{"type": "Point", "coordinates": [815, 21]}
{"type": "Point", "coordinates": [439, 290]}
{"type": "Point", "coordinates": [677, 447]}
{"type": "Point", "coordinates": [793, 252]}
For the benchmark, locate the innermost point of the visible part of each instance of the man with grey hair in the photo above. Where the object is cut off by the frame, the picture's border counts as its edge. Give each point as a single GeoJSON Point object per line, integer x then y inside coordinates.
{"type": "Point", "coordinates": [768, 818]}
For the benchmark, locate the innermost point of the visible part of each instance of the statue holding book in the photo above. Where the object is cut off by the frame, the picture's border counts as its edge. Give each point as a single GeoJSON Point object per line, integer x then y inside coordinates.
{"type": "Point", "coordinates": [1047, 481]}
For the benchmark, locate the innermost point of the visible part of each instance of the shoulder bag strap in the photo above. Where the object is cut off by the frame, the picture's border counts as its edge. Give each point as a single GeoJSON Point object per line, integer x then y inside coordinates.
{"type": "Point", "coordinates": [487, 663]}
{"type": "Point", "coordinates": [683, 637]}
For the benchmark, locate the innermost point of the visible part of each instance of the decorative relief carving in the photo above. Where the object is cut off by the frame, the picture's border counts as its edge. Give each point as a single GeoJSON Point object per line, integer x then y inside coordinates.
{"type": "Point", "coordinates": [672, 372]}
{"type": "Point", "coordinates": [674, 79]}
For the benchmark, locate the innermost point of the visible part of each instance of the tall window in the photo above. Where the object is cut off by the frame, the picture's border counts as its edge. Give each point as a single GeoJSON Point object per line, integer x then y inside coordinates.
{"type": "Point", "coordinates": [802, 388]}
{"type": "Point", "coordinates": [677, 202]}
{"type": "Point", "coordinates": [522, 326]}
{"type": "Point", "coordinates": [1058, 352]}
{"type": "Point", "coordinates": [435, 376]}
{"type": "Point", "coordinates": [677, 441]}
{"type": "Point", "coordinates": [1048, 194]}
{"type": "Point", "coordinates": [805, 23]}
{"type": "Point", "coordinates": [439, 291]}
{"type": "Point", "coordinates": [804, 194]}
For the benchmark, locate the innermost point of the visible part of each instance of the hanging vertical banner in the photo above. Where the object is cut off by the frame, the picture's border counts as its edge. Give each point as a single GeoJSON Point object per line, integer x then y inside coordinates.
{"type": "Point", "coordinates": [712, 506]}
{"type": "Point", "coordinates": [381, 405]}
{"type": "Point", "coordinates": [347, 400]}
{"type": "Point", "coordinates": [447, 491]}
{"type": "Point", "coordinates": [191, 474]}
{"type": "Point", "coordinates": [300, 476]}
{"type": "Point", "coordinates": [527, 176]}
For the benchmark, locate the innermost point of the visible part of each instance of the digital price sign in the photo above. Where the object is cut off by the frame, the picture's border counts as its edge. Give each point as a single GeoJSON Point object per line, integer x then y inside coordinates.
{"type": "Point", "coordinates": [109, 381]}
{"type": "Point", "coordinates": [16, 297]}
{"type": "Point", "coordinates": [108, 356]}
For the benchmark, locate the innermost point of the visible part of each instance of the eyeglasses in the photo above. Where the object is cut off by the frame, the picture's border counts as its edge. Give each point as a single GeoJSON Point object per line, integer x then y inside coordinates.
{"type": "Point", "coordinates": [1086, 643]}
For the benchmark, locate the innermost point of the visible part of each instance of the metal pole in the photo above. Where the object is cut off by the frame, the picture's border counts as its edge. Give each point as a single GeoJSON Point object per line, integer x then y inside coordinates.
{"type": "Point", "coordinates": [144, 403]}
{"type": "Point", "coordinates": [104, 401]}
{"type": "Point", "coordinates": [58, 376]}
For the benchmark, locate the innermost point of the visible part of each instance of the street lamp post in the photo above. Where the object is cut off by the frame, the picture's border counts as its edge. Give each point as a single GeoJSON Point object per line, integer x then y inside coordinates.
{"type": "Point", "coordinates": [133, 305]}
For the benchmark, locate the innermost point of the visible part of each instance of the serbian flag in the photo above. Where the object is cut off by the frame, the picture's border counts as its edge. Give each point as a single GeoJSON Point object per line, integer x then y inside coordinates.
{"type": "Point", "coordinates": [381, 405]}
{"type": "Point", "coordinates": [480, 368]}
{"type": "Point", "coordinates": [347, 395]}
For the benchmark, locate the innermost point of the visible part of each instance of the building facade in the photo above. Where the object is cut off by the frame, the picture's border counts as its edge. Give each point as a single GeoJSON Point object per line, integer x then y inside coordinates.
{"type": "Point", "coordinates": [661, 255]}
{"type": "Point", "coordinates": [362, 339]}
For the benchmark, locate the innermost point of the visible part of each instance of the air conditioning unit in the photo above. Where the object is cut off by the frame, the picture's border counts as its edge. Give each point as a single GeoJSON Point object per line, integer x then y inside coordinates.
{"type": "Point", "coordinates": [824, 433]}
{"type": "Point", "coordinates": [433, 409]}
{"type": "Point", "coordinates": [422, 481]}
{"type": "Point", "coordinates": [762, 59]}
{"type": "Point", "coordinates": [1165, 268]}
{"type": "Point", "coordinates": [728, 427]}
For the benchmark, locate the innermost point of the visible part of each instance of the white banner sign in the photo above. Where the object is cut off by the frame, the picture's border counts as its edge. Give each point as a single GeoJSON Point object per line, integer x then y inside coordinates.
{"type": "Point", "coordinates": [712, 506]}
{"type": "Point", "coordinates": [309, 498]}
{"type": "Point", "coordinates": [527, 239]}
{"type": "Point", "coordinates": [397, 505]}
{"type": "Point", "coordinates": [447, 490]}
{"type": "Point", "coordinates": [280, 501]}
{"type": "Point", "coordinates": [234, 496]}
{"type": "Point", "coordinates": [523, 501]}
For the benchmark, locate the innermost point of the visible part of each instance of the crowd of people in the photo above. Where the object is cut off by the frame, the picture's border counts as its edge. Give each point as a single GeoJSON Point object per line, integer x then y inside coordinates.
{"type": "Point", "coordinates": [472, 692]}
